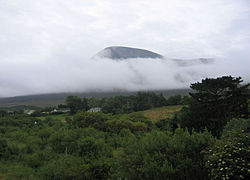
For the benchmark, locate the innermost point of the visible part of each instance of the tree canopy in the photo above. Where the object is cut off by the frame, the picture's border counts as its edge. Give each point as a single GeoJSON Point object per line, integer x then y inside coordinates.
{"type": "Point", "coordinates": [214, 102]}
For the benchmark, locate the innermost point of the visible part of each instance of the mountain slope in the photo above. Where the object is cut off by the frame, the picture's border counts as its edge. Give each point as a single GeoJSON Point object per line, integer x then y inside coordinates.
{"type": "Point", "coordinates": [123, 53]}
{"type": "Point", "coordinates": [120, 52]}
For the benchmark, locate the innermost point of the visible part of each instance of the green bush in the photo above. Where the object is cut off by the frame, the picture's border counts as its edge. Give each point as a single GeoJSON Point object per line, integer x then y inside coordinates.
{"type": "Point", "coordinates": [229, 158]}
{"type": "Point", "coordinates": [236, 124]}
{"type": "Point", "coordinates": [63, 167]}
{"type": "Point", "coordinates": [163, 155]}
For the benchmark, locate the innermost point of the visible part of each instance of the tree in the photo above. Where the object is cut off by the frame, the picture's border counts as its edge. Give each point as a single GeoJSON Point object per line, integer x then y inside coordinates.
{"type": "Point", "coordinates": [147, 100]}
{"type": "Point", "coordinates": [214, 102]}
{"type": "Point", "coordinates": [3, 113]}
{"type": "Point", "coordinates": [85, 119]}
{"type": "Point", "coordinates": [174, 100]}
{"type": "Point", "coordinates": [74, 103]}
{"type": "Point", "coordinates": [3, 147]}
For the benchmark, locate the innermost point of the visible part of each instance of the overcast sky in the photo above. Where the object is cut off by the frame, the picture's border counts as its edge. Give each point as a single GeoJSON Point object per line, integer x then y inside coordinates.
{"type": "Point", "coordinates": [45, 46]}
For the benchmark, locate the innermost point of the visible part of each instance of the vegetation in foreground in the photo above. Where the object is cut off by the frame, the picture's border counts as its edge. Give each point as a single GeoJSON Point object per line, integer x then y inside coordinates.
{"type": "Point", "coordinates": [207, 139]}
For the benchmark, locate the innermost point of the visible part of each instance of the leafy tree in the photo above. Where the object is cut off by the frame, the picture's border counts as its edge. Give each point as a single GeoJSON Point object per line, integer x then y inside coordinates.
{"type": "Point", "coordinates": [3, 113]}
{"type": "Point", "coordinates": [94, 102]}
{"type": "Point", "coordinates": [147, 100]}
{"type": "Point", "coordinates": [85, 119]}
{"type": "Point", "coordinates": [85, 103]}
{"type": "Point", "coordinates": [214, 102]}
{"type": "Point", "coordinates": [174, 100]}
{"type": "Point", "coordinates": [74, 103]}
{"type": "Point", "coordinates": [113, 105]}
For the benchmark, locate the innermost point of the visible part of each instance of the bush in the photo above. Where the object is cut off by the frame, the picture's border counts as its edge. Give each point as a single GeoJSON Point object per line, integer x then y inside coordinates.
{"type": "Point", "coordinates": [236, 124]}
{"type": "Point", "coordinates": [63, 167]}
{"type": "Point", "coordinates": [229, 158]}
{"type": "Point", "coordinates": [163, 155]}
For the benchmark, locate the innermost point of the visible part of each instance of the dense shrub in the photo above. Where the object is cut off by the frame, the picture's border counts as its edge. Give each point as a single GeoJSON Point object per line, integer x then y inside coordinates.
{"type": "Point", "coordinates": [161, 155]}
{"type": "Point", "coordinates": [236, 124]}
{"type": "Point", "coordinates": [229, 158]}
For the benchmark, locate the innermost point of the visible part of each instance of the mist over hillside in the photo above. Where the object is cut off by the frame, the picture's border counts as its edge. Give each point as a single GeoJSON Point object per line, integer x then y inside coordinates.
{"type": "Point", "coordinates": [47, 46]}
{"type": "Point", "coordinates": [81, 74]}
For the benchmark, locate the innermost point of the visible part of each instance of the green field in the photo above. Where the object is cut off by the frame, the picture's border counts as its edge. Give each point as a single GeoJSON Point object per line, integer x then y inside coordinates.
{"type": "Point", "coordinates": [162, 112]}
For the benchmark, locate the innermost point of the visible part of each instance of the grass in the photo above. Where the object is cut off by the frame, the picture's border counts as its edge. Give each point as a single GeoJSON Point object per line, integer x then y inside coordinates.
{"type": "Point", "coordinates": [161, 112]}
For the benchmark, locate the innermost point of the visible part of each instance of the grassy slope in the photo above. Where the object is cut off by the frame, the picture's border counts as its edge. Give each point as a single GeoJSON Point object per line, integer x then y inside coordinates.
{"type": "Point", "coordinates": [162, 112]}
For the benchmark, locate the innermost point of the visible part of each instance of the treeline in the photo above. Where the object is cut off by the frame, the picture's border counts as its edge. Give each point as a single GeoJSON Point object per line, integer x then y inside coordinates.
{"type": "Point", "coordinates": [208, 139]}
{"type": "Point", "coordinates": [124, 104]}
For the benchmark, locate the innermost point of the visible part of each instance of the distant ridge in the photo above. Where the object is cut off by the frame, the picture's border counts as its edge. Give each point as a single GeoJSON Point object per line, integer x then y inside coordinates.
{"type": "Point", "coordinates": [45, 100]}
{"type": "Point", "coordinates": [120, 52]}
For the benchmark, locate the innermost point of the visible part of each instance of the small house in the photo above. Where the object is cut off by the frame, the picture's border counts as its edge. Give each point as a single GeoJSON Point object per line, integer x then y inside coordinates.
{"type": "Point", "coordinates": [95, 109]}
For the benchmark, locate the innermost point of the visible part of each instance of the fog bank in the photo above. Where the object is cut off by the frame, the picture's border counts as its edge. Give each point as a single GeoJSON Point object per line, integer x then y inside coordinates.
{"type": "Point", "coordinates": [82, 75]}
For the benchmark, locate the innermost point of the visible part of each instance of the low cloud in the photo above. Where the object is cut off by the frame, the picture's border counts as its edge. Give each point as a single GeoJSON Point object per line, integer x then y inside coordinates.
{"type": "Point", "coordinates": [45, 45]}
{"type": "Point", "coordinates": [82, 75]}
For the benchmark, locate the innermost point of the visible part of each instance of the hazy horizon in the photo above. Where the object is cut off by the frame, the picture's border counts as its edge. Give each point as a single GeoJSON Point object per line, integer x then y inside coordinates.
{"type": "Point", "coordinates": [46, 46]}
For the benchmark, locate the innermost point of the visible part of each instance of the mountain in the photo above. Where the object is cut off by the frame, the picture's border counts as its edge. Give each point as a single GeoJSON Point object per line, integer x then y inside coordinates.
{"type": "Point", "coordinates": [120, 52]}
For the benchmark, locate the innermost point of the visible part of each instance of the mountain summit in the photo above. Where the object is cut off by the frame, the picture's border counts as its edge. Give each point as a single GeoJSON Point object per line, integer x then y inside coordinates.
{"type": "Point", "coordinates": [119, 52]}
{"type": "Point", "coordinates": [122, 53]}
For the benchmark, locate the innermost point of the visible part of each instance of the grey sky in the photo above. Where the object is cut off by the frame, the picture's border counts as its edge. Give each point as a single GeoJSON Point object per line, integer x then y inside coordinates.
{"type": "Point", "coordinates": [45, 46]}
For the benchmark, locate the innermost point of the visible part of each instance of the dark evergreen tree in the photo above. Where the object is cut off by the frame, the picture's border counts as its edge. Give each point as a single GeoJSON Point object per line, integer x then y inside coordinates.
{"type": "Point", "coordinates": [214, 102]}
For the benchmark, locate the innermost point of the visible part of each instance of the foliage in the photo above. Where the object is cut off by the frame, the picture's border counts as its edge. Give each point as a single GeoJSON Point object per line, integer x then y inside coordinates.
{"type": "Point", "coordinates": [123, 104]}
{"type": "Point", "coordinates": [236, 124]}
{"type": "Point", "coordinates": [174, 100]}
{"type": "Point", "coordinates": [3, 148]}
{"type": "Point", "coordinates": [76, 104]}
{"type": "Point", "coordinates": [124, 144]}
{"type": "Point", "coordinates": [97, 146]}
{"type": "Point", "coordinates": [133, 122]}
{"type": "Point", "coordinates": [229, 158]}
{"type": "Point", "coordinates": [161, 155]}
{"type": "Point", "coordinates": [214, 102]}
{"type": "Point", "coordinates": [63, 167]}
{"type": "Point", "coordinates": [85, 119]}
